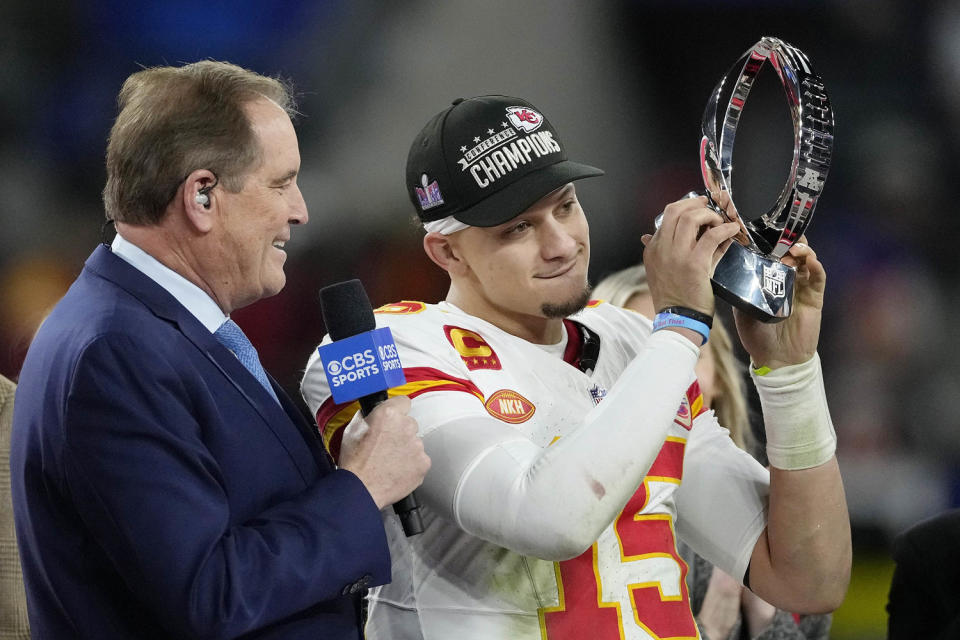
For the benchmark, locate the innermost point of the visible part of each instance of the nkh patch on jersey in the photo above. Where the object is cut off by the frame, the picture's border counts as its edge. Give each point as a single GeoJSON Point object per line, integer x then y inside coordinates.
{"type": "Point", "coordinates": [471, 346]}
{"type": "Point", "coordinates": [509, 406]}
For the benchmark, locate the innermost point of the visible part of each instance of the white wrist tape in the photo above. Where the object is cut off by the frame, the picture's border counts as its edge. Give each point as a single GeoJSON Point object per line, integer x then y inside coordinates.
{"type": "Point", "coordinates": [800, 434]}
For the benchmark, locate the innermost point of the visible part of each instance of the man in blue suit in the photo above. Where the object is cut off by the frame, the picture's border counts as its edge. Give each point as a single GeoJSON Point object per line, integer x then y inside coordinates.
{"type": "Point", "coordinates": [164, 485]}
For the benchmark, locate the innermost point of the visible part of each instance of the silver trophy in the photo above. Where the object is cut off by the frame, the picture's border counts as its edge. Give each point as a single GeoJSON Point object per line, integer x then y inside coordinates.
{"type": "Point", "coordinates": [750, 275]}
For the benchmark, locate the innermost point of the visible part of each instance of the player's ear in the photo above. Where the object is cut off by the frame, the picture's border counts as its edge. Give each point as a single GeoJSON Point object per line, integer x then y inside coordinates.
{"type": "Point", "coordinates": [439, 248]}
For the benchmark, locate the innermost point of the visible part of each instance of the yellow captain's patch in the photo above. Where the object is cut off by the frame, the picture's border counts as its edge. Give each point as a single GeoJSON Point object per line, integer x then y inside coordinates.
{"type": "Point", "coordinates": [475, 351]}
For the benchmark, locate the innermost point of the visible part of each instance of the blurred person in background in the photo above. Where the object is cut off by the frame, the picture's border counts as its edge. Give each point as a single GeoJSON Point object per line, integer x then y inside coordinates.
{"type": "Point", "coordinates": [924, 599]}
{"type": "Point", "coordinates": [14, 624]}
{"type": "Point", "coordinates": [163, 484]}
{"type": "Point", "coordinates": [719, 603]}
{"type": "Point", "coordinates": [561, 460]}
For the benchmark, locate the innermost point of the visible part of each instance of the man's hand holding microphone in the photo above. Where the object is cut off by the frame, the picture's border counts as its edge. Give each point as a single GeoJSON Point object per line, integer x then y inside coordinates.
{"type": "Point", "coordinates": [380, 445]}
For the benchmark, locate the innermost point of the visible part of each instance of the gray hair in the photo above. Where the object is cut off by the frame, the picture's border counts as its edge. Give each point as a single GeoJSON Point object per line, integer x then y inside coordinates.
{"type": "Point", "coordinates": [175, 120]}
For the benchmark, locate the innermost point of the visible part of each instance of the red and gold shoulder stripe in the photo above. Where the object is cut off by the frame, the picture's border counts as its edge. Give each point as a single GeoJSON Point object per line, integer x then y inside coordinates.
{"type": "Point", "coordinates": [332, 417]}
{"type": "Point", "coordinates": [403, 307]}
{"type": "Point", "coordinates": [594, 303]}
{"type": "Point", "coordinates": [690, 407]}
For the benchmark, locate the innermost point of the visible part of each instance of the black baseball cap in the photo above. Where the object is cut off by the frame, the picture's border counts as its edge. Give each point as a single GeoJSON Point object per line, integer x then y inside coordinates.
{"type": "Point", "coordinates": [485, 160]}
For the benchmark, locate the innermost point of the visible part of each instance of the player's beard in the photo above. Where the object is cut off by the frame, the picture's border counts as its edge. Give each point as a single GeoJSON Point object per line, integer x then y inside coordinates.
{"type": "Point", "coordinates": [571, 306]}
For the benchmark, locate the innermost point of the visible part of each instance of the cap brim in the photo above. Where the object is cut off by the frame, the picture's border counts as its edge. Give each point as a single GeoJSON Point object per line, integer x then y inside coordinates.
{"type": "Point", "coordinates": [511, 201]}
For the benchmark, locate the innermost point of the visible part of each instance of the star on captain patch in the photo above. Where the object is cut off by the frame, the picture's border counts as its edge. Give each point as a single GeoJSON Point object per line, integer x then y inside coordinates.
{"type": "Point", "coordinates": [463, 149]}
{"type": "Point", "coordinates": [490, 132]}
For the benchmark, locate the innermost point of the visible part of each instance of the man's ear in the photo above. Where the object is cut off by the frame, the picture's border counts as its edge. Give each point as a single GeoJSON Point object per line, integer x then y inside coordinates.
{"type": "Point", "coordinates": [199, 199]}
{"type": "Point", "coordinates": [443, 252]}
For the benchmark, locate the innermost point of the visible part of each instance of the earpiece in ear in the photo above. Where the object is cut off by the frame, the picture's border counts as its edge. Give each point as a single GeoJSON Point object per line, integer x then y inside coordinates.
{"type": "Point", "coordinates": [203, 194]}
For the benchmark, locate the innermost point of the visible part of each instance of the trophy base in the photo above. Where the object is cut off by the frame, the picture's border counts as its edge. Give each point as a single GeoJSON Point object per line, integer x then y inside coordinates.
{"type": "Point", "coordinates": [757, 285]}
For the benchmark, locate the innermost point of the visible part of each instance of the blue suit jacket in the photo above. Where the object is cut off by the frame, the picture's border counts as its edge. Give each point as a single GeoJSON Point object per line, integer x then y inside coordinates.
{"type": "Point", "coordinates": [159, 491]}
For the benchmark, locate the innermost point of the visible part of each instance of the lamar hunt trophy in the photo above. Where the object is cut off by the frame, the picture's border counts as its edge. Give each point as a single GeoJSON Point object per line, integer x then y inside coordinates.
{"type": "Point", "coordinates": [750, 275]}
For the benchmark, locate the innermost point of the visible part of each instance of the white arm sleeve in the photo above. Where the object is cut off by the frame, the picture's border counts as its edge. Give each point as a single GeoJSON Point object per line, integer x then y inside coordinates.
{"type": "Point", "coordinates": [554, 502]}
{"type": "Point", "coordinates": [722, 501]}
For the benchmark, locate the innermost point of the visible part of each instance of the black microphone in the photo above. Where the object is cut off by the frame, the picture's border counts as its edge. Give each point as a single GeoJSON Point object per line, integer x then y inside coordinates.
{"type": "Point", "coordinates": [347, 313]}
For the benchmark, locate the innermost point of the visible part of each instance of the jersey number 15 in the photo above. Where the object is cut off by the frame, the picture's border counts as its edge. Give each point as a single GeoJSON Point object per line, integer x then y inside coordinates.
{"type": "Point", "coordinates": [658, 610]}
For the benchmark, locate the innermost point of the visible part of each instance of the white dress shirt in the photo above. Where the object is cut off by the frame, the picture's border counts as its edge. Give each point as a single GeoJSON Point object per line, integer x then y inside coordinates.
{"type": "Point", "coordinates": [188, 294]}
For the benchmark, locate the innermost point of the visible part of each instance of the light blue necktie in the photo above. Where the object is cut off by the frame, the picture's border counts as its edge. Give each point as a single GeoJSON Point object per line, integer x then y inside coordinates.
{"type": "Point", "coordinates": [232, 337]}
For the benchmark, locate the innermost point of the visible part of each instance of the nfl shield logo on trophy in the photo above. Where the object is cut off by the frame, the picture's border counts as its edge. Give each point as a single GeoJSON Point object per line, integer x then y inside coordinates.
{"type": "Point", "coordinates": [773, 281]}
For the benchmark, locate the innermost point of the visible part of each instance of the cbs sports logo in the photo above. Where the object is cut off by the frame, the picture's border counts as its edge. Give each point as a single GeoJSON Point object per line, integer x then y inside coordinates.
{"type": "Point", "coordinates": [362, 364]}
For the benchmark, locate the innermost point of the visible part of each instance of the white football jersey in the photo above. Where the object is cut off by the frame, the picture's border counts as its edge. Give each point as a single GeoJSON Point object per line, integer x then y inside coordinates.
{"type": "Point", "coordinates": [630, 584]}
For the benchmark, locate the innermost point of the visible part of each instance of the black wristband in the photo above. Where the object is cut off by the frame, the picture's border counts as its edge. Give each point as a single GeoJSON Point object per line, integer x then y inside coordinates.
{"type": "Point", "coordinates": [689, 313]}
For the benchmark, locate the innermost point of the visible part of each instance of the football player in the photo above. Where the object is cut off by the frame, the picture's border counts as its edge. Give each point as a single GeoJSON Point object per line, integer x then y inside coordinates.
{"type": "Point", "coordinates": [569, 441]}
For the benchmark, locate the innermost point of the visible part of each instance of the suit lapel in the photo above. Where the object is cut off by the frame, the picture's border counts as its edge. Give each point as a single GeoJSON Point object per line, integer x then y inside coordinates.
{"type": "Point", "coordinates": [309, 432]}
{"type": "Point", "coordinates": [284, 421]}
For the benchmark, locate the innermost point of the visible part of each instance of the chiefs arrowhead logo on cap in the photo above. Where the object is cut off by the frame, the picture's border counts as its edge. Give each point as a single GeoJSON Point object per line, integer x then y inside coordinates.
{"type": "Point", "coordinates": [524, 118]}
{"type": "Point", "coordinates": [509, 406]}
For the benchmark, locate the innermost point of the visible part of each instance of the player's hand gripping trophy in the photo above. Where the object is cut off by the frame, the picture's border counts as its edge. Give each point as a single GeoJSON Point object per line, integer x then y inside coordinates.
{"type": "Point", "coordinates": [750, 275]}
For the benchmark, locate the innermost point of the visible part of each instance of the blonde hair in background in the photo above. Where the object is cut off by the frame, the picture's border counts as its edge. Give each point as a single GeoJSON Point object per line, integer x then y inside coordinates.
{"type": "Point", "coordinates": [618, 287]}
{"type": "Point", "coordinates": [175, 120]}
{"type": "Point", "coordinates": [729, 401]}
